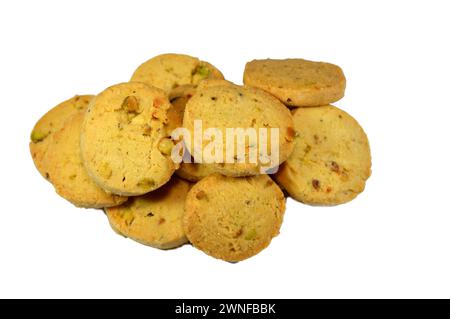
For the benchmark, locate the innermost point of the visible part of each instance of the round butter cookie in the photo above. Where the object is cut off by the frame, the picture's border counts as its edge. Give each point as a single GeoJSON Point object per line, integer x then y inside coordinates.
{"type": "Point", "coordinates": [331, 160]}
{"type": "Point", "coordinates": [124, 144]}
{"type": "Point", "coordinates": [297, 82]}
{"type": "Point", "coordinates": [245, 110]}
{"type": "Point", "coordinates": [167, 71]}
{"type": "Point", "coordinates": [51, 122]}
{"type": "Point", "coordinates": [68, 175]}
{"type": "Point", "coordinates": [153, 219]}
{"type": "Point", "coordinates": [233, 218]}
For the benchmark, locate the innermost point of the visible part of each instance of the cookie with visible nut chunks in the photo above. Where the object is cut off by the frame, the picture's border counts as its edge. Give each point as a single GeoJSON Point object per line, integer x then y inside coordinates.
{"type": "Point", "coordinates": [297, 82]}
{"type": "Point", "coordinates": [69, 177]}
{"type": "Point", "coordinates": [168, 71]}
{"type": "Point", "coordinates": [233, 218]}
{"type": "Point", "coordinates": [124, 144]}
{"type": "Point", "coordinates": [331, 160]}
{"type": "Point", "coordinates": [228, 106]}
{"type": "Point", "coordinates": [153, 219]}
{"type": "Point", "coordinates": [51, 122]}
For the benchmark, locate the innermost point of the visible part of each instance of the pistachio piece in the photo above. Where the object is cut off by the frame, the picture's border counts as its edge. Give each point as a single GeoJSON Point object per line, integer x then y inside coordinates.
{"type": "Point", "coordinates": [165, 146]}
{"type": "Point", "coordinates": [201, 72]}
{"type": "Point", "coordinates": [250, 235]}
{"type": "Point", "coordinates": [38, 136]}
{"type": "Point", "coordinates": [146, 183]}
{"type": "Point", "coordinates": [130, 104]}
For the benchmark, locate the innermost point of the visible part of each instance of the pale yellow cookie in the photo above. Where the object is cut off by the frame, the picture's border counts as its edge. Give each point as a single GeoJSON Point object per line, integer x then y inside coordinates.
{"type": "Point", "coordinates": [331, 160]}
{"type": "Point", "coordinates": [246, 112]}
{"type": "Point", "coordinates": [51, 122]}
{"type": "Point", "coordinates": [233, 218]}
{"type": "Point", "coordinates": [297, 82]}
{"type": "Point", "coordinates": [167, 71]}
{"type": "Point", "coordinates": [67, 172]}
{"type": "Point", "coordinates": [154, 219]}
{"type": "Point", "coordinates": [124, 142]}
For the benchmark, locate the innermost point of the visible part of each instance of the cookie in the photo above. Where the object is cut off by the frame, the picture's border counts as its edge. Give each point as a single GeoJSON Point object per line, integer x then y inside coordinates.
{"type": "Point", "coordinates": [297, 82]}
{"type": "Point", "coordinates": [223, 107]}
{"type": "Point", "coordinates": [331, 160]}
{"type": "Point", "coordinates": [124, 144]}
{"type": "Point", "coordinates": [233, 218]}
{"type": "Point", "coordinates": [154, 219]}
{"type": "Point", "coordinates": [167, 71]}
{"type": "Point", "coordinates": [51, 122]}
{"type": "Point", "coordinates": [67, 173]}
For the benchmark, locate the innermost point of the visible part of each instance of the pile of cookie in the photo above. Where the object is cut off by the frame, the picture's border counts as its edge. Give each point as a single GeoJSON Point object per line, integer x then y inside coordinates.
{"type": "Point", "coordinates": [115, 151]}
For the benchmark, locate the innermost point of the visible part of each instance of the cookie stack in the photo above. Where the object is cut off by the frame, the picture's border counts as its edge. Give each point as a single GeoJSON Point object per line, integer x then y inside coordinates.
{"type": "Point", "coordinates": [116, 151]}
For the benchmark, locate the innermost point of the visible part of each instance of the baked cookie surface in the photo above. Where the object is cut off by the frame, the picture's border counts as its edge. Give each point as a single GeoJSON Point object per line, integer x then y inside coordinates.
{"type": "Point", "coordinates": [66, 170]}
{"type": "Point", "coordinates": [214, 82]}
{"type": "Point", "coordinates": [297, 82]}
{"type": "Point", "coordinates": [224, 107]}
{"type": "Point", "coordinates": [331, 160]}
{"type": "Point", "coordinates": [51, 122]}
{"type": "Point", "coordinates": [124, 144]}
{"type": "Point", "coordinates": [168, 71]}
{"type": "Point", "coordinates": [153, 219]}
{"type": "Point", "coordinates": [233, 218]}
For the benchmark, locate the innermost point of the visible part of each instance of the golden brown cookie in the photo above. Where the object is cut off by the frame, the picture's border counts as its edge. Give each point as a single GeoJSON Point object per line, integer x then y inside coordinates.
{"type": "Point", "coordinates": [297, 82]}
{"type": "Point", "coordinates": [124, 144]}
{"type": "Point", "coordinates": [51, 122]}
{"type": "Point", "coordinates": [244, 110]}
{"type": "Point", "coordinates": [167, 71]}
{"type": "Point", "coordinates": [331, 160]}
{"type": "Point", "coordinates": [67, 173]}
{"type": "Point", "coordinates": [233, 218]}
{"type": "Point", "coordinates": [154, 219]}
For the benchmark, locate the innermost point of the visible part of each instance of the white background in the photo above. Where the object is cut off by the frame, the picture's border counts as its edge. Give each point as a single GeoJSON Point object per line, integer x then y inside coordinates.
{"type": "Point", "coordinates": [392, 241]}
